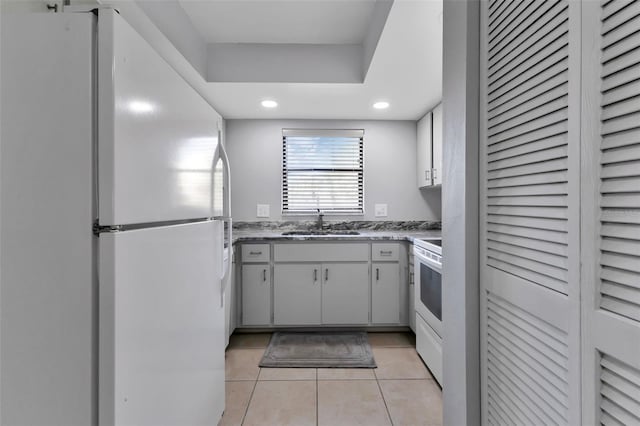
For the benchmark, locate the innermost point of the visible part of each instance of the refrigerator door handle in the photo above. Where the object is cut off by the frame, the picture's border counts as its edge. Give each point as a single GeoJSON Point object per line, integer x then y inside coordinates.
{"type": "Point", "coordinates": [226, 212]}
{"type": "Point", "coordinates": [226, 208]}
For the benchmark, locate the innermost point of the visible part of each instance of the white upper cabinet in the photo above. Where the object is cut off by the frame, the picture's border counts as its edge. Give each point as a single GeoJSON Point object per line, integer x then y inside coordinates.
{"type": "Point", "coordinates": [424, 151]}
{"type": "Point", "coordinates": [436, 144]}
{"type": "Point", "coordinates": [429, 148]}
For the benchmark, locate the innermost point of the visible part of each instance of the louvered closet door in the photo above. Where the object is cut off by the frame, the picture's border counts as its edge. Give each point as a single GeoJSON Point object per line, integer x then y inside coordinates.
{"type": "Point", "coordinates": [611, 212]}
{"type": "Point", "coordinates": [530, 317]}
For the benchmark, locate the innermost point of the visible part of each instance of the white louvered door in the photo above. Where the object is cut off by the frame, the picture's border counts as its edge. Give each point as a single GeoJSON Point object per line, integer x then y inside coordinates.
{"type": "Point", "coordinates": [611, 212]}
{"type": "Point", "coordinates": [529, 188]}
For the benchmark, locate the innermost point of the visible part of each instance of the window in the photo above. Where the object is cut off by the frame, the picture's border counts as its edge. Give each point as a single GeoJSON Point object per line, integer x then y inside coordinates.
{"type": "Point", "coordinates": [322, 169]}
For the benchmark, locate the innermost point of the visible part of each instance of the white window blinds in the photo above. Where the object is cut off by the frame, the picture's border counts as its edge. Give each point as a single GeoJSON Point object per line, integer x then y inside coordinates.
{"type": "Point", "coordinates": [322, 169]}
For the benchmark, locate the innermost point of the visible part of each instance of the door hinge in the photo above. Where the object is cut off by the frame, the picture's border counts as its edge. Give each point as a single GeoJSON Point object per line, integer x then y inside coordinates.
{"type": "Point", "coordinates": [97, 229]}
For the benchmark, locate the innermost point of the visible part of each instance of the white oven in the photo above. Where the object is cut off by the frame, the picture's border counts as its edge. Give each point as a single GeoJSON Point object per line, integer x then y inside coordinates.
{"type": "Point", "coordinates": [428, 303]}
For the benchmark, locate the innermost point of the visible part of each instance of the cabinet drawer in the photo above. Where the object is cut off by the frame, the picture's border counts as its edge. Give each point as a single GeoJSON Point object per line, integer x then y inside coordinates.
{"type": "Point", "coordinates": [429, 346]}
{"type": "Point", "coordinates": [387, 251]}
{"type": "Point", "coordinates": [255, 253]}
{"type": "Point", "coordinates": [321, 252]}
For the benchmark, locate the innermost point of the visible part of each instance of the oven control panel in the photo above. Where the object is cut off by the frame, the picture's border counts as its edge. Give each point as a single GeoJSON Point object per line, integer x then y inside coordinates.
{"type": "Point", "coordinates": [426, 254]}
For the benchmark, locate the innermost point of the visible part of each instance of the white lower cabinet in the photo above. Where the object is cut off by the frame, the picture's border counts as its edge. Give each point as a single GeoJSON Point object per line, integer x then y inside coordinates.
{"type": "Point", "coordinates": [412, 292]}
{"type": "Point", "coordinates": [314, 294]}
{"type": "Point", "coordinates": [345, 293]}
{"type": "Point", "coordinates": [385, 293]}
{"type": "Point", "coordinates": [230, 301]}
{"type": "Point", "coordinates": [256, 295]}
{"type": "Point", "coordinates": [324, 284]}
{"type": "Point", "coordinates": [296, 294]}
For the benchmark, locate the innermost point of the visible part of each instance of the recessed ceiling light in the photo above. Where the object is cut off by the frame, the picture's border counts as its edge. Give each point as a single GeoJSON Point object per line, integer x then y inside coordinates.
{"type": "Point", "coordinates": [269, 104]}
{"type": "Point", "coordinates": [381, 105]}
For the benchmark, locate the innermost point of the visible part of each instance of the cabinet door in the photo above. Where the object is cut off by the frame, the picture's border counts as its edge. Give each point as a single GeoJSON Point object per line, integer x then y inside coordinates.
{"type": "Point", "coordinates": [609, 283]}
{"type": "Point", "coordinates": [436, 145]}
{"type": "Point", "coordinates": [345, 293]}
{"type": "Point", "coordinates": [424, 151]}
{"type": "Point", "coordinates": [230, 302]}
{"type": "Point", "coordinates": [296, 294]}
{"type": "Point", "coordinates": [529, 150]}
{"type": "Point", "coordinates": [256, 295]}
{"type": "Point", "coordinates": [385, 293]}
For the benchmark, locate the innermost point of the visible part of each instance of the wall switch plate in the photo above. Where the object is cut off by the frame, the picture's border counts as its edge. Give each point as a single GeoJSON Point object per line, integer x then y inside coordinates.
{"type": "Point", "coordinates": [381, 210]}
{"type": "Point", "coordinates": [262, 210]}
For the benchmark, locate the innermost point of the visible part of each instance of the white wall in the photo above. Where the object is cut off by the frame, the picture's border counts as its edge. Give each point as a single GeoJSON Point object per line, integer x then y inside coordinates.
{"type": "Point", "coordinates": [1, 11]}
{"type": "Point", "coordinates": [49, 340]}
{"type": "Point", "coordinates": [460, 273]}
{"type": "Point", "coordinates": [255, 152]}
{"type": "Point", "coordinates": [37, 6]}
{"type": "Point", "coordinates": [26, 6]}
{"type": "Point", "coordinates": [177, 27]}
{"type": "Point", "coordinates": [262, 62]}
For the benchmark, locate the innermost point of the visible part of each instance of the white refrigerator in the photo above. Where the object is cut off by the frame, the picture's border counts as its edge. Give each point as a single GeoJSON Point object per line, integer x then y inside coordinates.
{"type": "Point", "coordinates": [114, 194]}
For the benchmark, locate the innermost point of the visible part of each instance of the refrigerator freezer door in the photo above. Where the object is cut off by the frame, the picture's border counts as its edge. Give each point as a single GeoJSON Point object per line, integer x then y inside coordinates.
{"type": "Point", "coordinates": [162, 333]}
{"type": "Point", "coordinates": [156, 135]}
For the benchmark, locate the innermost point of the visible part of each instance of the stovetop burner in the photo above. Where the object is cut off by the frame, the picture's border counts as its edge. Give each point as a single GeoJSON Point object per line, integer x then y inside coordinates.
{"type": "Point", "coordinates": [431, 244]}
{"type": "Point", "coordinates": [435, 241]}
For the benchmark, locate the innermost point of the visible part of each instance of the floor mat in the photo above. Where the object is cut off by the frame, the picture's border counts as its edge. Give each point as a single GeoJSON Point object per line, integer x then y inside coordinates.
{"type": "Point", "coordinates": [318, 350]}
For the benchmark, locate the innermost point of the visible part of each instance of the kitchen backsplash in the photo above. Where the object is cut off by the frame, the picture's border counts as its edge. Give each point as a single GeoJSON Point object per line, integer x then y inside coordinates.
{"type": "Point", "coordinates": [412, 225]}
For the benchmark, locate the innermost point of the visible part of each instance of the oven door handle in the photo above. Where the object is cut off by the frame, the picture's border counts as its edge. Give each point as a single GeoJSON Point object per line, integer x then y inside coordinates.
{"type": "Point", "coordinates": [430, 263]}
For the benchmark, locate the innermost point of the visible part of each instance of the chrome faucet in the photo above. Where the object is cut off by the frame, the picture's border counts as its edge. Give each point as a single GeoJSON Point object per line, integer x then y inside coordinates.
{"type": "Point", "coordinates": [319, 223]}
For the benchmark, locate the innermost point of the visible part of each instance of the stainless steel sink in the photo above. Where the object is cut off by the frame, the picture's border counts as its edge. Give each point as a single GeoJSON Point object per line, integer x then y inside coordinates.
{"type": "Point", "coordinates": [318, 232]}
{"type": "Point", "coordinates": [305, 233]}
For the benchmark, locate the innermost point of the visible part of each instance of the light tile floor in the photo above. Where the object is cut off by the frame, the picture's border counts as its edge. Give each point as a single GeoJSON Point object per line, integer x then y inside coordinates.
{"type": "Point", "coordinates": [401, 391]}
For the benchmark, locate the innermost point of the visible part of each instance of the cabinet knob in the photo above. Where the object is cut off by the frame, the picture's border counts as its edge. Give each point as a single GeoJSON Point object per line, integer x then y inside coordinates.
{"type": "Point", "coordinates": [255, 253]}
{"type": "Point", "coordinates": [326, 274]}
{"type": "Point", "coordinates": [264, 275]}
{"type": "Point", "coordinates": [315, 275]}
{"type": "Point", "coordinates": [377, 274]}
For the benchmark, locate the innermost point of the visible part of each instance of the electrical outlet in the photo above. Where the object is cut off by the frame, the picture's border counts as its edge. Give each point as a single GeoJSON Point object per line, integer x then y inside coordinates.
{"type": "Point", "coordinates": [262, 210]}
{"type": "Point", "coordinates": [381, 210]}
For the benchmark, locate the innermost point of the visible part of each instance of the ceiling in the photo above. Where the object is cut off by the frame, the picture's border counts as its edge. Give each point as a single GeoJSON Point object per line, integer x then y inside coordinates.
{"type": "Point", "coordinates": [319, 59]}
{"type": "Point", "coordinates": [309, 22]}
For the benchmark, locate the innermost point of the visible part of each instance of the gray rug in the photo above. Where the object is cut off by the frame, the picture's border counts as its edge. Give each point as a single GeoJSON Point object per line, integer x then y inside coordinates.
{"type": "Point", "coordinates": [318, 350]}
